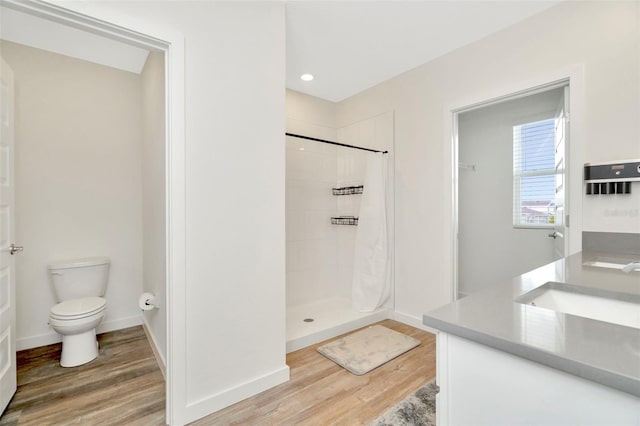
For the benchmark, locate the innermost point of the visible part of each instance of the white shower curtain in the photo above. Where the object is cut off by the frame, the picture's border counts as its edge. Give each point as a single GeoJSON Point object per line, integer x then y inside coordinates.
{"type": "Point", "coordinates": [371, 285]}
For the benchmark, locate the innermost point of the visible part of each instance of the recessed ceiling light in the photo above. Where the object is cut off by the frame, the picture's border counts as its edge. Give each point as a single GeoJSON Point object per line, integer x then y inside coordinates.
{"type": "Point", "coordinates": [306, 77]}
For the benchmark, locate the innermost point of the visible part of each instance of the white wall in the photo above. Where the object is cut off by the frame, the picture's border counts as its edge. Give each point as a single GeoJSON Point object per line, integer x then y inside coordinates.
{"type": "Point", "coordinates": [619, 213]}
{"type": "Point", "coordinates": [613, 213]}
{"type": "Point", "coordinates": [600, 36]}
{"type": "Point", "coordinates": [153, 198]}
{"type": "Point", "coordinates": [311, 169]}
{"type": "Point", "coordinates": [235, 220]}
{"type": "Point", "coordinates": [235, 196]}
{"type": "Point", "coordinates": [78, 182]}
{"type": "Point", "coordinates": [485, 195]}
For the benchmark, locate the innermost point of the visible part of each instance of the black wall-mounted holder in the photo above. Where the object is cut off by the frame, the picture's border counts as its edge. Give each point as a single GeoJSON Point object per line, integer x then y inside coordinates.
{"type": "Point", "coordinates": [344, 220]}
{"type": "Point", "coordinates": [611, 178]}
{"type": "Point", "coordinates": [348, 190]}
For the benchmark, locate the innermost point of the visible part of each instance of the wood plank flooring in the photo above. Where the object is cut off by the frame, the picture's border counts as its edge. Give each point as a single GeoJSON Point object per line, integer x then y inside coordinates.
{"type": "Point", "coordinates": [323, 393]}
{"type": "Point", "coordinates": [123, 385]}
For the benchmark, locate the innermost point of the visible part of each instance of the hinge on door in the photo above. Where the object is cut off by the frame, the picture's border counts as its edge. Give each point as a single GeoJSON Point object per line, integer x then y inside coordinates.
{"type": "Point", "coordinates": [566, 221]}
{"type": "Point", "coordinates": [567, 117]}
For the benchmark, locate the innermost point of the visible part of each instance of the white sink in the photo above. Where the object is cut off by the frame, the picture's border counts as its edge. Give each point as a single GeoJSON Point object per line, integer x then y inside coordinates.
{"type": "Point", "coordinates": [611, 263]}
{"type": "Point", "coordinates": [602, 305]}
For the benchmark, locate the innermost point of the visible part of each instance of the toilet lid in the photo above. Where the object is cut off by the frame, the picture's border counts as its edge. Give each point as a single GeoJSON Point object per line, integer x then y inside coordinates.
{"type": "Point", "coordinates": [78, 307]}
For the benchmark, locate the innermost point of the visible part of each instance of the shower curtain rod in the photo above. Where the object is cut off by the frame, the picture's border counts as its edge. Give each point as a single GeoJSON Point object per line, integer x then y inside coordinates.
{"type": "Point", "coordinates": [334, 143]}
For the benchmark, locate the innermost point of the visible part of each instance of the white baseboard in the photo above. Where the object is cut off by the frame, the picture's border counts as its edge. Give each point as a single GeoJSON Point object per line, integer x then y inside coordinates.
{"type": "Point", "coordinates": [213, 403]}
{"type": "Point", "coordinates": [36, 341]}
{"type": "Point", "coordinates": [154, 347]}
{"type": "Point", "coordinates": [53, 337]}
{"type": "Point", "coordinates": [411, 320]}
{"type": "Point", "coordinates": [119, 324]}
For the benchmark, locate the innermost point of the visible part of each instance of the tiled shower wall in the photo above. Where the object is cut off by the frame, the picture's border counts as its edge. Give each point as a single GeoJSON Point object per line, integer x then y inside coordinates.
{"type": "Point", "coordinates": [311, 239]}
{"type": "Point", "coordinates": [320, 255]}
{"type": "Point", "coordinates": [350, 172]}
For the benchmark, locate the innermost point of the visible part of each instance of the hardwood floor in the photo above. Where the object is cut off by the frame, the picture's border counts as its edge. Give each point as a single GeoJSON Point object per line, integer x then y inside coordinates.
{"type": "Point", "coordinates": [323, 393]}
{"type": "Point", "coordinates": [123, 385]}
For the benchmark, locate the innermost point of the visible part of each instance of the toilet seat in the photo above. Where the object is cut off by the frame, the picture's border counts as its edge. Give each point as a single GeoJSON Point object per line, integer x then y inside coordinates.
{"type": "Point", "coordinates": [78, 308]}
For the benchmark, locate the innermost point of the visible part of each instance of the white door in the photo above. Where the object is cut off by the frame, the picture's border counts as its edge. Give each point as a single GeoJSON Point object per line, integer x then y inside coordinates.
{"type": "Point", "coordinates": [7, 270]}
{"type": "Point", "coordinates": [561, 243]}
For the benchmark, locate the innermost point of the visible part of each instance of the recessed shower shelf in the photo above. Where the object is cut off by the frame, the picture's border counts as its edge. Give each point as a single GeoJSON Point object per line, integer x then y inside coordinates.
{"type": "Point", "coordinates": [348, 190]}
{"type": "Point", "coordinates": [344, 220]}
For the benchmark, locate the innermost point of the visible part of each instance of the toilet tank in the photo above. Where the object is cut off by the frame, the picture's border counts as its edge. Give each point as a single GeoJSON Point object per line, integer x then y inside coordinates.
{"type": "Point", "coordinates": [72, 279]}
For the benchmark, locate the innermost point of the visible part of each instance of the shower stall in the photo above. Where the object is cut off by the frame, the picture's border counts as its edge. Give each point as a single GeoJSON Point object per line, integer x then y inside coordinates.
{"type": "Point", "coordinates": [326, 204]}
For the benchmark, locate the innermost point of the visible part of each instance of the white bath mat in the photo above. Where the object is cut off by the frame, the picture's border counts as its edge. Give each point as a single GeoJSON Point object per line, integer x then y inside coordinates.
{"type": "Point", "coordinates": [364, 350]}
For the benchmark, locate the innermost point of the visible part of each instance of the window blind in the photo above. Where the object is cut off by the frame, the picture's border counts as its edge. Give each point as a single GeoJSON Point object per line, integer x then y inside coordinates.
{"type": "Point", "coordinates": [534, 174]}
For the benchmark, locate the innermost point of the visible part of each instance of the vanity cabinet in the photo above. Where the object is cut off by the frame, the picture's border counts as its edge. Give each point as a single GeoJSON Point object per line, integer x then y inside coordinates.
{"type": "Point", "coordinates": [482, 385]}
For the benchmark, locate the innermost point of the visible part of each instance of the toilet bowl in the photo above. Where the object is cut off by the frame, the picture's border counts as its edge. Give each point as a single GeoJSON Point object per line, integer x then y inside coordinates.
{"type": "Point", "coordinates": [76, 320]}
{"type": "Point", "coordinates": [79, 285]}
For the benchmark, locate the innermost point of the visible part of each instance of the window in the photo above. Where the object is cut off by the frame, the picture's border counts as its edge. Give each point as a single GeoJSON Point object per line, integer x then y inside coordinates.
{"type": "Point", "coordinates": [534, 174]}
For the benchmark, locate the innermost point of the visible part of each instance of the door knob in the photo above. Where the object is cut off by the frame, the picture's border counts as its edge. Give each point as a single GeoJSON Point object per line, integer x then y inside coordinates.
{"type": "Point", "coordinates": [13, 249]}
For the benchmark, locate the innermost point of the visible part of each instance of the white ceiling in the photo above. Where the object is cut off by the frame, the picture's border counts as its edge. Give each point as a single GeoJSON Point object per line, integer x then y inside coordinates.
{"type": "Point", "coordinates": [348, 46]}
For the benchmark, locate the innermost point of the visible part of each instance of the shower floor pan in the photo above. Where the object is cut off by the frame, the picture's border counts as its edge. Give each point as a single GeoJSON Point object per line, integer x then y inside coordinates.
{"type": "Point", "coordinates": [331, 317]}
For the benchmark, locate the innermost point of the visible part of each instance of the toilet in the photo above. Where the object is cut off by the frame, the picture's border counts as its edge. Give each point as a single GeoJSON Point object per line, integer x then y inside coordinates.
{"type": "Point", "coordinates": [79, 285]}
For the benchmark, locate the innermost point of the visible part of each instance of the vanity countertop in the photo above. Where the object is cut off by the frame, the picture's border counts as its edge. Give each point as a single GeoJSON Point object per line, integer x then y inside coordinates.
{"type": "Point", "coordinates": [603, 352]}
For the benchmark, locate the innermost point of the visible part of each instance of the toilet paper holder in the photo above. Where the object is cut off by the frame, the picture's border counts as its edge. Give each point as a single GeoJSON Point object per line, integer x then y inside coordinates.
{"type": "Point", "coordinates": [146, 302]}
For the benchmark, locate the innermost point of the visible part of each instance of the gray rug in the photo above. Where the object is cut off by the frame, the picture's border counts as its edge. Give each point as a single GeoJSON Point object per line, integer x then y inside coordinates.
{"type": "Point", "coordinates": [364, 350]}
{"type": "Point", "coordinates": [418, 409]}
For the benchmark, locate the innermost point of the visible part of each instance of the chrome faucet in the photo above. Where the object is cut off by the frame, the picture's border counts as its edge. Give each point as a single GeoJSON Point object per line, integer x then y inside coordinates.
{"type": "Point", "coordinates": [631, 267]}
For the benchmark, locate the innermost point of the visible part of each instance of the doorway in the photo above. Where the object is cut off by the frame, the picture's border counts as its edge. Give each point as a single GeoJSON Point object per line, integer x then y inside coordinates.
{"type": "Point", "coordinates": [170, 45]}
{"type": "Point", "coordinates": [511, 186]}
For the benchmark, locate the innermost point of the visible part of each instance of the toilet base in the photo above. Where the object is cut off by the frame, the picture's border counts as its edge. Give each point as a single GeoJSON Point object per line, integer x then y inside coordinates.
{"type": "Point", "coordinates": [78, 349]}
